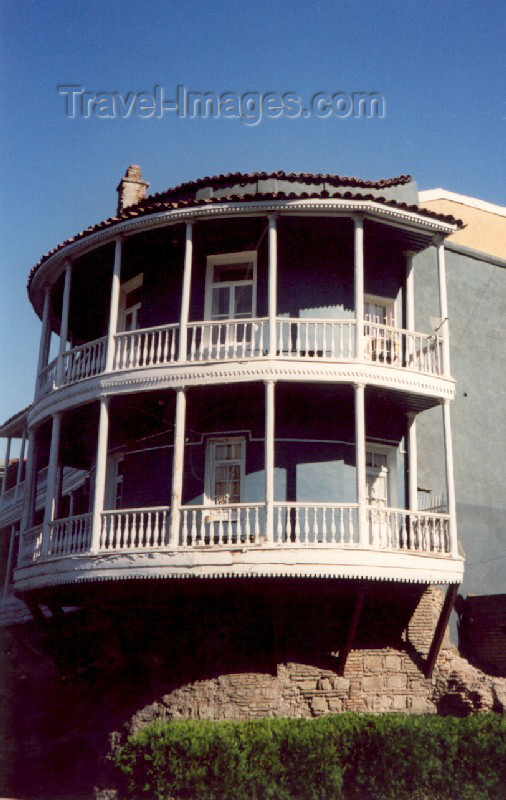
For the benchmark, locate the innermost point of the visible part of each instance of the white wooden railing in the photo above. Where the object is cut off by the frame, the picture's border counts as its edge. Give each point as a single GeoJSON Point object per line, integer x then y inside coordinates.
{"type": "Point", "coordinates": [70, 536]}
{"type": "Point", "coordinates": [135, 529]}
{"type": "Point", "coordinates": [224, 341]}
{"type": "Point", "coordinates": [84, 361]}
{"type": "Point", "coordinates": [223, 525]}
{"type": "Point", "coordinates": [46, 379]}
{"type": "Point", "coordinates": [316, 524]}
{"type": "Point", "coordinates": [147, 347]}
{"type": "Point", "coordinates": [396, 528]}
{"type": "Point", "coordinates": [30, 545]}
{"type": "Point", "coordinates": [400, 348]}
{"type": "Point", "coordinates": [316, 338]}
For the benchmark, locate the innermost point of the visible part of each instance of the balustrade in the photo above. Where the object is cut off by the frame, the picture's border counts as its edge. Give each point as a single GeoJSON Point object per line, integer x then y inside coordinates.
{"type": "Point", "coordinates": [420, 531]}
{"type": "Point", "coordinates": [84, 361]}
{"type": "Point", "coordinates": [400, 348]}
{"type": "Point", "coordinates": [47, 378]}
{"type": "Point", "coordinates": [70, 536]}
{"type": "Point", "coordinates": [316, 524]}
{"type": "Point", "coordinates": [30, 545]}
{"type": "Point", "coordinates": [134, 529]}
{"type": "Point", "coordinates": [148, 347]}
{"type": "Point", "coordinates": [226, 340]}
{"type": "Point", "coordinates": [316, 338]}
{"type": "Point", "coordinates": [223, 525]}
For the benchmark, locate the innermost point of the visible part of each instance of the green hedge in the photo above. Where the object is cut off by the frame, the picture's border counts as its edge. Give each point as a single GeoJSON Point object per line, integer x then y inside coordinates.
{"type": "Point", "coordinates": [345, 757]}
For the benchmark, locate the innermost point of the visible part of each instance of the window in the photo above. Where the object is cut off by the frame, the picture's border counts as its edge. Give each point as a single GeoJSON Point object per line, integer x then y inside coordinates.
{"type": "Point", "coordinates": [377, 476]}
{"type": "Point", "coordinates": [114, 484]}
{"type": "Point", "coordinates": [382, 343]}
{"type": "Point", "coordinates": [231, 286]}
{"type": "Point", "coordinates": [225, 470]}
{"type": "Point", "coordinates": [130, 303]}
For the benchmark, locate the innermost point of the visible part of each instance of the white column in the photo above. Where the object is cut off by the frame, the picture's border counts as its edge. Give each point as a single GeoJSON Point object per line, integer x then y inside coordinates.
{"type": "Point", "coordinates": [100, 474]}
{"type": "Point", "coordinates": [359, 287]}
{"type": "Point", "coordinates": [6, 465]}
{"type": "Point", "coordinates": [114, 306]}
{"type": "Point", "coordinates": [29, 493]}
{"type": "Point", "coordinates": [51, 483]}
{"type": "Point", "coordinates": [273, 283]}
{"type": "Point", "coordinates": [443, 307]}
{"type": "Point", "coordinates": [410, 292]}
{"type": "Point", "coordinates": [450, 485]}
{"type": "Point", "coordinates": [360, 463]}
{"type": "Point", "coordinates": [9, 562]}
{"type": "Point", "coordinates": [185, 299]}
{"type": "Point", "coordinates": [177, 466]}
{"type": "Point", "coordinates": [20, 465]}
{"type": "Point", "coordinates": [64, 322]}
{"type": "Point", "coordinates": [269, 461]}
{"type": "Point", "coordinates": [412, 462]}
{"type": "Point", "coordinates": [44, 337]}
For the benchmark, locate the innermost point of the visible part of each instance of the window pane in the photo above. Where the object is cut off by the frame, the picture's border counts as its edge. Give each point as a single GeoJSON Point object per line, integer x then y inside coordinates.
{"type": "Point", "coordinates": [220, 303]}
{"type": "Point", "coordinates": [243, 301]}
{"type": "Point", "coordinates": [233, 272]}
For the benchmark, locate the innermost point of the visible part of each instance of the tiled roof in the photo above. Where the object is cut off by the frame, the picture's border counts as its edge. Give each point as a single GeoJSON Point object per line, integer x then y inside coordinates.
{"type": "Point", "coordinates": [12, 422]}
{"type": "Point", "coordinates": [175, 199]}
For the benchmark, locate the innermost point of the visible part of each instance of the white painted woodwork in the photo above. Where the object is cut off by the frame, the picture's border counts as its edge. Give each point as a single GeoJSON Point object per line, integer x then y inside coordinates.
{"type": "Point", "coordinates": [71, 535]}
{"type": "Point", "coordinates": [328, 339]}
{"type": "Point", "coordinates": [185, 299]}
{"type": "Point", "coordinates": [45, 336]}
{"type": "Point", "coordinates": [227, 340]}
{"type": "Point", "coordinates": [8, 568]}
{"type": "Point", "coordinates": [100, 472]}
{"type": "Point", "coordinates": [269, 458]}
{"type": "Point", "coordinates": [316, 524]}
{"type": "Point", "coordinates": [410, 293]}
{"type": "Point", "coordinates": [19, 472]}
{"type": "Point", "coordinates": [359, 285]}
{"type": "Point", "coordinates": [146, 347]}
{"type": "Point", "coordinates": [178, 465]}
{"type": "Point", "coordinates": [114, 303]}
{"type": "Point", "coordinates": [64, 326]}
{"type": "Point", "coordinates": [6, 465]}
{"type": "Point", "coordinates": [412, 462]}
{"type": "Point", "coordinates": [450, 485]}
{"type": "Point", "coordinates": [52, 477]}
{"type": "Point", "coordinates": [273, 283]}
{"type": "Point", "coordinates": [360, 460]}
{"type": "Point", "coordinates": [443, 307]}
{"type": "Point", "coordinates": [30, 545]}
{"type": "Point", "coordinates": [84, 362]}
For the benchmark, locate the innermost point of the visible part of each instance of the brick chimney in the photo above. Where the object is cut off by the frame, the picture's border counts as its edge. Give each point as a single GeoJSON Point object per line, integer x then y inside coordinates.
{"type": "Point", "coordinates": [131, 189]}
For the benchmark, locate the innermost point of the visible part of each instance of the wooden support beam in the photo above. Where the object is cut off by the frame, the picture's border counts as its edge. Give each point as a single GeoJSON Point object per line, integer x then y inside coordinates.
{"type": "Point", "coordinates": [348, 644]}
{"type": "Point", "coordinates": [449, 602]}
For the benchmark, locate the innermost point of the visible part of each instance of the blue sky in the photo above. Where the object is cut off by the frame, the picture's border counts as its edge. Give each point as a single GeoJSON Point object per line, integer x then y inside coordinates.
{"type": "Point", "coordinates": [440, 66]}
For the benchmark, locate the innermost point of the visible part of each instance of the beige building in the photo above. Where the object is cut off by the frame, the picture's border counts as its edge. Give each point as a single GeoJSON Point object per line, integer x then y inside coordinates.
{"type": "Point", "coordinates": [485, 223]}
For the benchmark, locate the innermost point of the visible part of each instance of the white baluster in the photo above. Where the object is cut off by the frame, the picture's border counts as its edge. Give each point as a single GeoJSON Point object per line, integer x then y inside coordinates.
{"type": "Point", "coordinates": [185, 528]}
{"type": "Point", "coordinates": [333, 528]}
{"type": "Point", "coordinates": [324, 525]}
{"type": "Point", "coordinates": [279, 525]}
{"type": "Point", "coordinates": [297, 525]}
{"type": "Point", "coordinates": [280, 341]}
{"type": "Point", "coordinates": [220, 529]}
{"type": "Point", "coordinates": [288, 512]}
{"type": "Point", "coordinates": [247, 526]}
{"type": "Point", "coordinates": [193, 528]}
{"type": "Point", "coordinates": [297, 341]}
{"type": "Point", "coordinates": [351, 532]}
{"type": "Point", "coordinates": [202, 528]}
{"type": "Point", "coordinates": [257, 525]}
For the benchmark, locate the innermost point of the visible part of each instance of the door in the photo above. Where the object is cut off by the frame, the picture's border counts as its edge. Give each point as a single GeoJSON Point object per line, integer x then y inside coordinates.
{"type": "Point", "coordinates": [378, 480]}
{"type": "Point", "coordinates": [230, 298]}
{"type": "Point", "coordinates": [382, 343]}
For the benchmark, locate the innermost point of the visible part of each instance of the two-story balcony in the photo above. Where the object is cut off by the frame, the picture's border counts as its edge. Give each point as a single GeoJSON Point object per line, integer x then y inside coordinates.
{"type": "Point", "coordinates": [237, 386]}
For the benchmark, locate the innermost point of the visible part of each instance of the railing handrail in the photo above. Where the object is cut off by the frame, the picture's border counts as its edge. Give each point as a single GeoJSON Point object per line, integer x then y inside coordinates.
{"type": "Point", "coordinates": [312, 504]}
{"type": "Point", "coordinates": [223, 506]}
{"type": "Point", "coordinates": [134, 510]}
{"type": "Point", "coordinates": [408, 511]}
{"type": "Point", "coordinates": [327, 320]}
{"type": "Point", "coordinates": [64, 520]}
{"type": "Point", "coordinates": [79, 347]}
{"type": "Point", "coordinates": [404, 331]}
{"type": "Point", "coordinates": [167, 326]}
{"type": "Point", "coordinates": [206, 323]}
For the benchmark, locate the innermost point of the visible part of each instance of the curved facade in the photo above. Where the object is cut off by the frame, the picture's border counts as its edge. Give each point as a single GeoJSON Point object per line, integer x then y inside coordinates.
{"type": "Point", "coordinates": [236, 386]}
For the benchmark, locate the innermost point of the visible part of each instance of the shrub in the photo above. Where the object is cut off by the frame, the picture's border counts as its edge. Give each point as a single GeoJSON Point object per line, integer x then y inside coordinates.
{"type": "Point", "coordinates": [345, 757]}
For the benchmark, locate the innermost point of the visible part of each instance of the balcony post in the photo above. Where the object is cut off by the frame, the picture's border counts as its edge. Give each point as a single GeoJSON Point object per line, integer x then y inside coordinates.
{"type": "Point", "coordinates": [114, 305]}
{"type": "Point", "coordinates": [269, 461]}
{"type": "Point", "coordinates": [359, 287]}
{"type": "Point", "coordinates": [273, 283]}
{"type": "Point", "coordinates": [410, 292]}
{"type": "Point", "coordinates": [44, 338]}
{"type": "Point", "coordinates": [64, 323]}
{"type": "Point", "coordinates": [185, 298]}
{"type": "Point", "coordinates": [6, 465]}
{"type": "Point", "coordinates": [29, 493]}
{"type": "Point", "coordinates": [19, 473]}
{"type": "Point", "coordinates": [443, 307]}
{"type": "Point", "coordinates": [360, 463]}
{"type": "Point", "coordinates": [52, 474]}
{"type": "Point", "coordinates": [177, 466]}
{"type": "Point", "coordinates": [450, 486]}
{"type": "Point", "coordinates": [9, 563]}
{"type": "Point", "coordinates": [412, 462]}
{"type": "Point", "coordinates": [100, 474]}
